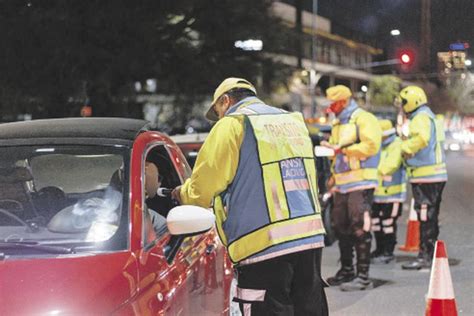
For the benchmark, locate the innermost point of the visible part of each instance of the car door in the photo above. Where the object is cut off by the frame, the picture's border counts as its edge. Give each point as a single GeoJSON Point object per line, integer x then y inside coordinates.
{"type": "Point", "coordinates": [186, 285]}
{"type": "Point", "coordinates": [212, 273]}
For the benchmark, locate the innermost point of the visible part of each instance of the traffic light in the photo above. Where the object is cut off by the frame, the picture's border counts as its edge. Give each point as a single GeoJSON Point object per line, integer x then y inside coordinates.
{"type": "Point", "coordinates": [406, 57]}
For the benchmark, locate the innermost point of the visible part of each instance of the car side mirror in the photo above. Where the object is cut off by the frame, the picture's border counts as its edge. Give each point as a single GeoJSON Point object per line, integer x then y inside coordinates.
{"type": "Point", "coordinates": [185, 221]}
{"type": "Point", "coordinates": [189, 220]}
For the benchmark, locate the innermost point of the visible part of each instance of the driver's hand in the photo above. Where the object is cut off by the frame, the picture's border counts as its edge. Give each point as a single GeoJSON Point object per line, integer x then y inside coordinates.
{"type": "Point", "coordinates": [176, 194]}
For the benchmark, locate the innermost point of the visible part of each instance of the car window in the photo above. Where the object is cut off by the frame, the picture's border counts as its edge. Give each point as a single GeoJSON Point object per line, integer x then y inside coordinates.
{"type": "Point", "coordinates": [50, 171]}
{"type": "Point", "coordinates": [157, 206]}
{"type": "Point", "coordinates": [64, 195]}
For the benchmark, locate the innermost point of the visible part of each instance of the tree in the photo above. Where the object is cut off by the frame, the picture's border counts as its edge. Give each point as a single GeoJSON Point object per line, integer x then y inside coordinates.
{"type": "Point", "coordinates": [383, 90]}
{"type": "Point", "coordinates": [58, 55]}
{"type": "Point", "coordinates": [461, 90]}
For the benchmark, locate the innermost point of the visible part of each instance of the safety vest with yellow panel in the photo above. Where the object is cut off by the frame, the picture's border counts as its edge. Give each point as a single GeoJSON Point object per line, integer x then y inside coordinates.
{"type": "Point", "coordinates": [271, 207]}
{"type": "Point", "coordinates": [359, 135]}
{"type": "Point", "coordinates": [392, 186]}
{"type": "Point", "coordinates": [425, 143]}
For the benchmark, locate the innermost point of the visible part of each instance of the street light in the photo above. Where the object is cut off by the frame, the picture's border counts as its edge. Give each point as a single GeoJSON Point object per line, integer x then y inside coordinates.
{"type": "Point", "coordinates": [364, 88]}
{"type": "Point", "coordinates": [468, 63]}
{"type": "Point", "coordinates": [249, 45]}
{"type": "Point", "coordinates": [395, 32]}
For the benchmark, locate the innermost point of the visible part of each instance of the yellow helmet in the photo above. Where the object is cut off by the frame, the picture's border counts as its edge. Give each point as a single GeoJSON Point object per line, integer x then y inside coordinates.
{"type": "Point", "coordinates": [338, 93]}
{"type": "Point", "coordinates": [412, 97]}
{"type": "Point", "coordinates": [387, 127]}
{"type": "Point", "coordinates": [225, 86]}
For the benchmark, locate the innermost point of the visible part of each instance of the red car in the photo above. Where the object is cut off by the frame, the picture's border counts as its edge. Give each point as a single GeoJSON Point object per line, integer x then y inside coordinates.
{"type": "Point", "coordinates": [76, 237]}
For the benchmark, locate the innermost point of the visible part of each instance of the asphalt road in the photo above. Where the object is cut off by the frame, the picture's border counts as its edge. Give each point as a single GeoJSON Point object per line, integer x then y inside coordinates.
{"type": "Point", "coordinates": [399, 292]}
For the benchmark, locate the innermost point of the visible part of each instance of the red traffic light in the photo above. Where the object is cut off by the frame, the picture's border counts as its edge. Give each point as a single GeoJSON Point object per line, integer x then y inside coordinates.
{"type": "Point", "coordinates": [405, 57]}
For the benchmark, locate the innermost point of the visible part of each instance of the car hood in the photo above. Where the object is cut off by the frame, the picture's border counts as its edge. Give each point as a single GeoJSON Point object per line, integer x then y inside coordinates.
{"type": "Point", "coordinates": [83, 285]}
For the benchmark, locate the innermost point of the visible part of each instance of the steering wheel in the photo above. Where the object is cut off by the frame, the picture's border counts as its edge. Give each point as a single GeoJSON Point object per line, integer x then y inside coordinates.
{"type": "Point", "coordinates": [51, 192]}
{"type": "Point", "coordinates": [31, 226]}
{"type": "Point", "coordinates": [49, 200]}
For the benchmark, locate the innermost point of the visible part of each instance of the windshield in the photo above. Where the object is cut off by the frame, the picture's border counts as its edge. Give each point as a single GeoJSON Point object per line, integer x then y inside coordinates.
{"type": "Point", "coordinates": [63, 195]}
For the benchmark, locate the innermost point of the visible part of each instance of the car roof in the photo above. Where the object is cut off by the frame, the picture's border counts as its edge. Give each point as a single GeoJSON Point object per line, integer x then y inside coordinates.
{"type": "Point", "coordinates": [189, 138]}
{"type": "Point", "coordinates": [117, 128]}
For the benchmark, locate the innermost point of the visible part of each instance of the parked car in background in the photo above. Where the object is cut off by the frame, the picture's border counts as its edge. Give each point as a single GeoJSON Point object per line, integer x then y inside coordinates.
{"type": "Point", "coordinates": [190, 145]}
{"type": "Point", "coordinates": [75, 230]}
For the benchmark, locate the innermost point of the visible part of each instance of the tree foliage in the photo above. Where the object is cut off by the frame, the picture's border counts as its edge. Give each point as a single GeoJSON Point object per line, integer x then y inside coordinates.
{"type": "Point", "coordinates": [58, 55]}
{"type": "Point", "coordinates": [461, 90]}
{"type": "Point", "coordinates": [383, 90]}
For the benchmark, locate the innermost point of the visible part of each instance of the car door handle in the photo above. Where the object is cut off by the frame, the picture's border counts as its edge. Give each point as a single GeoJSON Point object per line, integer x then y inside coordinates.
{"type": "Point", "coordinates": [210, 249]}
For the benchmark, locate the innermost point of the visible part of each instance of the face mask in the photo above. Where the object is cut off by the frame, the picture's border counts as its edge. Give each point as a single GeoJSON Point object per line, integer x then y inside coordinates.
{"type": "Point", "coordinates": [337, 107]}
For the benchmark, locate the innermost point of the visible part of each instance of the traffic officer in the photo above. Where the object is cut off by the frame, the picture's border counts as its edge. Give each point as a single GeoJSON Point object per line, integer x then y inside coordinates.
{"type": "Point", "coordinates": [356, 138]}
{"type": "Point", "coordinates": [426, 169]}
{"type": "Point", "coordinates": [257, 169]}
{"type": "Point", "coordinates": [389, 195]}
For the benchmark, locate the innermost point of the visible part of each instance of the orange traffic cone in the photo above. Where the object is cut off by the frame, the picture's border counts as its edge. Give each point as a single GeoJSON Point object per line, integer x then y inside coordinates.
{"type": "Point", "coordinates": [412, 242]}
{"type": "Point", "coordinates": [440, 299]}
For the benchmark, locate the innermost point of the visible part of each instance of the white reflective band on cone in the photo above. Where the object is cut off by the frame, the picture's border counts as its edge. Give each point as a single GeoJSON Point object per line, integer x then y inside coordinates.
{"type": "Point", "coordinates": [413, 216]}
{"type": "Point", "coordinates": [443, 287]}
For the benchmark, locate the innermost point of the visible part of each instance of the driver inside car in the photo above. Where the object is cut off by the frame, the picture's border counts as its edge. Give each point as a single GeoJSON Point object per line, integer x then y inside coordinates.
{"type": "Point", "coordinates": [152, 184]}
{"type": "Point", "coordinates": [81, 216]}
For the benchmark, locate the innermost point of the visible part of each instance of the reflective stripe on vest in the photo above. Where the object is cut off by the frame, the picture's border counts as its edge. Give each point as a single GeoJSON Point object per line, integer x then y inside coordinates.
{"type": "Point", "coordinates": [272, 202]}
{"type": "Point", "coordinates": [275, 233]}
{"type": "Point", "coordinates": [432, 173]}
{"type": "Point", "coordinates": [351, 173]}
{"type": "Point", "coordinates": [428, 164]}
{"type": "Point", "coordinates": [390, 194]}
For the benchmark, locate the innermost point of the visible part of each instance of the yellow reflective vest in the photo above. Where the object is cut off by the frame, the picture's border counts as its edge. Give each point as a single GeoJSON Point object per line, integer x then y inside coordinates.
{"type": "Point", "coordinates": [425, 145]}
{"type": "Point", "coordinates": [359, 135]}
{"type": "Point", "coordinates": [392, 175]}
{"type": "Point", "coordinates": [269, 206]}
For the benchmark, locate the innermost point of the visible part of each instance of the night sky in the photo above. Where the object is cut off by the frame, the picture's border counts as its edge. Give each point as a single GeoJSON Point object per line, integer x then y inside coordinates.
{"type": "Point", "coordinates": [370, 21]}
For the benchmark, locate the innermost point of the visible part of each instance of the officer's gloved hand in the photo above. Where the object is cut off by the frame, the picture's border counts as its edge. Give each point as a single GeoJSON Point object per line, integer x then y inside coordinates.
{"type": "Point", "coordinates": [407, 155]}
{"type": "Point", "coordinates": [176, 194]}
{"type": "Point", "coordinates": [330, 183]}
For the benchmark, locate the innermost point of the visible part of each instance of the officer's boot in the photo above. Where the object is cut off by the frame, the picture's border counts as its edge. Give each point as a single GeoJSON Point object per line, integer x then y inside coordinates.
{"type": "Point", "coordinates": [390, 242]}
{"type": "Point", "coordinates": [361, 281]}
{"type": "Point", "coordinates": [387, 255]}
{"type": "Point", "coordinates": [379, 245]}
{"type": "Point", "coordinates": [346, 272]}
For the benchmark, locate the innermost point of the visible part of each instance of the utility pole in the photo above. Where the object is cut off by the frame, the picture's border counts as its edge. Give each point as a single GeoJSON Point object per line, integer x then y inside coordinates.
{"type": "Point", "coordinates": [299, 32]}
{"type": "Point", "coordinates": [313, 80]}
{"type": "Point", "coordinates": [425, 60]}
